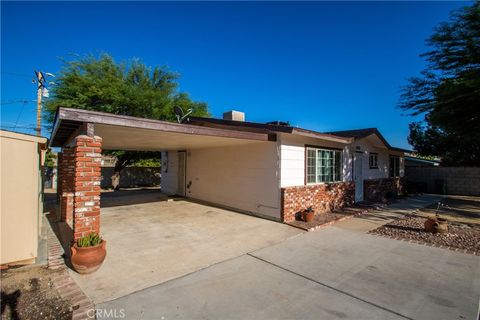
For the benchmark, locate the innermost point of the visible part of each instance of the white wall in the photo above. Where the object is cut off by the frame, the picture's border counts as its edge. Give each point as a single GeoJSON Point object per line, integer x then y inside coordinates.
{"type": "Point", "coordinates": [383, 160]}
{"type": "Point", "coordinates": [244, 177]}
{"type": "Point", "coordinates": [169, 178]}
{"type": "Point", "coordinates": [292, 166]}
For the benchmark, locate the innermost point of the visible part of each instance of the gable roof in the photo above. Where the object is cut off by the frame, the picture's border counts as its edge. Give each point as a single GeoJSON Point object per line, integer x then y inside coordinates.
{"type": "Point", "coordinates": [363, 133]}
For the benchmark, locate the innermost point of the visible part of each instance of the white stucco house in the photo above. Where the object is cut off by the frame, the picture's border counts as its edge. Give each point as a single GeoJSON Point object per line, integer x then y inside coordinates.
{"type": "Point", "coordinates": [277, 179]}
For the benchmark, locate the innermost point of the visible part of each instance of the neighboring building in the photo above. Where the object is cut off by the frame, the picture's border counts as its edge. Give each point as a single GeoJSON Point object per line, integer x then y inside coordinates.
{"type": "Point", "coordinates": [21, 204]}
{"type": "Point", "coordinates": [414, 162]}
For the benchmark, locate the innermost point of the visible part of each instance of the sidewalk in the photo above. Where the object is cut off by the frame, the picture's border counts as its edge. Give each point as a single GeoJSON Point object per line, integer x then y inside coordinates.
{"type": "Point", "coordinates": [378, 217]}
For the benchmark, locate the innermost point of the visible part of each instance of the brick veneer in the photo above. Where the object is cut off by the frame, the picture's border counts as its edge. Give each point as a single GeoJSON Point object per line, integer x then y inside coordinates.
{"type": "Point", "coordinates": [376, 189]}
{"type": "Point", "coordinates": [80, 184]}
{"type": "Point", "coordinates": [322, 197]}
{"type": "Point", "coordinates": [66, 172]}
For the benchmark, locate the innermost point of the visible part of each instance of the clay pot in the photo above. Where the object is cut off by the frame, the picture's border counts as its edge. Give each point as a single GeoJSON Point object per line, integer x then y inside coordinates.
{"type": "Point", "coordinates": [308, 216]}
{"type": "Point", "coordinates": [436, 225]}
{"type": "Point", "coordinates": [88, 259]}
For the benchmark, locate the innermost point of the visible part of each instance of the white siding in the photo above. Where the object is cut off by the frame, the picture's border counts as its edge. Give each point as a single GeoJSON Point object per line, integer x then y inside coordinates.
{"type": "Point", "coordinates": [292, 165]}
{"type": "Point", "coordinates": [245, 177]}
{"type": "Point", "coordinates": [292, 154]}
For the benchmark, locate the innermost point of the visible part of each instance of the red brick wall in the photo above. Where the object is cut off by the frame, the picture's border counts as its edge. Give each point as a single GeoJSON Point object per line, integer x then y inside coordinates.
{"type": "Point", "coordinates": [66, 161]}
{"type": "Point", "coordinates": [322, 197]}
{"type": "Point", "coordinates": [88, 159]}
{"type": "Point", "coordinates": [376, 190]}
{"type": "Point", "coordinates": [79, 186]}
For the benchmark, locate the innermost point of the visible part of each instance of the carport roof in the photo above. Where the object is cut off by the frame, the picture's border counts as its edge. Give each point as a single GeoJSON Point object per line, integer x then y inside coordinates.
{"type": "Point", "coordinates": [131, 133]}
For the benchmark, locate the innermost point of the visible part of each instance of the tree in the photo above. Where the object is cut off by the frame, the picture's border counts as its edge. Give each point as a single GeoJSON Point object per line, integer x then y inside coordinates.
{"type": "Point", "coordinates": [448, 92]}
{"type": "Point", "coordinates": [130, 88]}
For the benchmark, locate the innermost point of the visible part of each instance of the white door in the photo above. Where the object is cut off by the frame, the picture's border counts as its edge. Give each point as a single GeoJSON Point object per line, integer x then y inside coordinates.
{"type": "Point", "coordinates": [358, 176]}
{"type": "Point", "coordinates": [181, 173]}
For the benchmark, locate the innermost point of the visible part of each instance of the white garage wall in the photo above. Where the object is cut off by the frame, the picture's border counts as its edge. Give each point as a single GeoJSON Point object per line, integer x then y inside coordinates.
{"type": "Point", "coordinates": [244, 177]}
{"type": "Point", "coordinates": [169, 179]}
{"type": "Point", "coordinates": [292, 150]}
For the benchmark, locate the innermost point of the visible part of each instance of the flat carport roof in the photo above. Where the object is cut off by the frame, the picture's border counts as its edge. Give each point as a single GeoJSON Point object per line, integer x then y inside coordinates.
{"type": "Point", "coordinates": [131, 133]}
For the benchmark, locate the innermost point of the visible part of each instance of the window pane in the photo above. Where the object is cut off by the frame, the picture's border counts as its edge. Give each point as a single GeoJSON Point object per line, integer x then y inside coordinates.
{"type": "Point", "coordinates": [311, 165]}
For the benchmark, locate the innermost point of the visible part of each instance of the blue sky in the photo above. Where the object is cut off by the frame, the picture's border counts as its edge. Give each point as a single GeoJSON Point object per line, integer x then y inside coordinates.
{"type": "Point", "coordinates": [320, 65]}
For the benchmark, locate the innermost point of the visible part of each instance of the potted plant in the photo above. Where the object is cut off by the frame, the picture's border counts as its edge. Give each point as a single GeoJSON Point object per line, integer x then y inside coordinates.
{"type": "Point", "coordinates": [88, 253]}
{"type": "Point", "coordinates": [308, 214]}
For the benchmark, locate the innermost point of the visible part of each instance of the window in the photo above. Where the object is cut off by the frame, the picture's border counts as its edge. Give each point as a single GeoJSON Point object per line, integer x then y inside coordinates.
{"type": "Point", "coordinates": [373, 160]}
{"type": "Point", "coordinates": [323, 165]}
{"type": "Point", "coordinates": [394, 166]}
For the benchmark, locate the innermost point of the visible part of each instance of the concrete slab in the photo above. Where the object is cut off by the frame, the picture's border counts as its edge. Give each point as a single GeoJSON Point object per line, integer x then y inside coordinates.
{"type": "Point", "coordinates": [151, 243]}
{"type": "Point", "coordinates": [243, 288]}
{"type": "Point", "coordinates": [416, 281]}
{"type": "Point", "coordinates": [377, 218]}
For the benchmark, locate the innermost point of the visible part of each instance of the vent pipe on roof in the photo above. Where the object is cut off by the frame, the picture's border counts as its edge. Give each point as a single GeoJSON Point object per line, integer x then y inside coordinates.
{"type": "Point", "coordinates": [234, 115]}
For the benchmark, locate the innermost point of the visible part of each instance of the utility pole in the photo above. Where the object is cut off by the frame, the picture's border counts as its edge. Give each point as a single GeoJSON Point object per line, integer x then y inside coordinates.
{"type": "Point", "coordinates": [40, 86]}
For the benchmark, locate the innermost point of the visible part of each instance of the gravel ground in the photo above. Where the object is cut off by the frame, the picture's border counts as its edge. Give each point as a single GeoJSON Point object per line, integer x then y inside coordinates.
{"type": "Point", "coordinates": [28, 293]}
{"type": "Point", "coordinates": [459, 236]}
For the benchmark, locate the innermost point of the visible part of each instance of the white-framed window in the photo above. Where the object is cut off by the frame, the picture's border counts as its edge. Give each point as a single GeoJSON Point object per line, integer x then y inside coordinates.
{"type": "Point", "coordinates": [394, 166]}
{"type": "Point", "coordinates": [373, 160]}
{"type": "Point", "coordinates": [323, 165]}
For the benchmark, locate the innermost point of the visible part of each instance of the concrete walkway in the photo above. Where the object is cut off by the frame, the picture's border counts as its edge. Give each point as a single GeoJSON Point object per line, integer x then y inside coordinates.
{"type": "Point", "coordinates": [337, 272]}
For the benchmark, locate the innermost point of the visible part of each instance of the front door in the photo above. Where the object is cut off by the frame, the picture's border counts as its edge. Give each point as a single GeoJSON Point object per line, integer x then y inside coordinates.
{"type": "Point", "coordinates": [181, 173]}
{"type": "Point", "coordinates": [358, 175]}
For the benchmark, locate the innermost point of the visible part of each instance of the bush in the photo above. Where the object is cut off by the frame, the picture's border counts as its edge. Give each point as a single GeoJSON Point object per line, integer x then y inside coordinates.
{"type": "Point", "coordinates": [91, 240]}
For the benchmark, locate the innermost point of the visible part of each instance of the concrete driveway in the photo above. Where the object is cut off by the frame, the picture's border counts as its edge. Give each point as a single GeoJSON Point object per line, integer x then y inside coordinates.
{"type": "Point", "coordinates": [337, 272]}
{"type": "Point", "coordinates": [150, 243]}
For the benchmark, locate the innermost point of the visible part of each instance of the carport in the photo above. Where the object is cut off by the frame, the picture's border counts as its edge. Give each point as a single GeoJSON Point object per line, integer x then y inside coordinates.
{"type": "Point", "coordinates": [83, 134]}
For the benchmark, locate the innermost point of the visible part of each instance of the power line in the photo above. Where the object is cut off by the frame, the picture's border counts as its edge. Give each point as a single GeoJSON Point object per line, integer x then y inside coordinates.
{"type": "Point", "coordinates": [16, 74]}
{"type": "Point", "coordinates": [20, 114]}
{"type": "Point", "coordinates": [16, 101]}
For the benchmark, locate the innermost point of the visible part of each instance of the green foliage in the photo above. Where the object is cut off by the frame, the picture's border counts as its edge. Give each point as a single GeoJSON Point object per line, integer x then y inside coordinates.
{"type": "Point", "coordinates": [91, 240]}
{"type": "Point", "coordinates": [448, 92]}
{"type": "Point", "coordinates": [147, 162]}
{"type": "Point", "coordinates": [130, 88]}
{"type": "Point", "coordinates": [50, 158]}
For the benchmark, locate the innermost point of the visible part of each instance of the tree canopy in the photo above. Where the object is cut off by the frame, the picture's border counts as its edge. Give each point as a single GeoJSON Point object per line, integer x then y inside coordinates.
{"type": "Point", "coordinates": [448, 92]}
{"type": "Point", "coordinates": [129, 88]}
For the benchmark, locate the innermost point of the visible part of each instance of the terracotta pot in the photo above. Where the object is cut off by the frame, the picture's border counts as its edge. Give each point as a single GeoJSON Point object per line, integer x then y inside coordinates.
{"type": "Point", "coordinates": [88, 259]}
{"type": "Point", "coordinates": [308, 216]}
{"type": "Point", "coordinates": [436, 225]}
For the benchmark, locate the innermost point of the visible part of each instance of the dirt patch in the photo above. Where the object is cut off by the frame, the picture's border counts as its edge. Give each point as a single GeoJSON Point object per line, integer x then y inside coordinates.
{"type": "Point", "coordinates": [460, 236]}
{"type": "Point", "coordinates": [327, 218]}
{"type": "Point", "coordinates": [28, 293]}
{"type": "Point", "coordinates": [459, 209]}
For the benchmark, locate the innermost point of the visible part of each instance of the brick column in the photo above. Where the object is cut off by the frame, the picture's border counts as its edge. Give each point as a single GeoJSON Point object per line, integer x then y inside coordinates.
{"type": "Point", "coordinates": [66, 169]}
{"type": "Point", "coordinates": [87, 185]}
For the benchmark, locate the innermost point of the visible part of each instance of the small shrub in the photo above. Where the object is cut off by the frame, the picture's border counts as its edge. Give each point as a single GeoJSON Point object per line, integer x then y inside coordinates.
{"type": "Point", "coordinates": [91, 240]}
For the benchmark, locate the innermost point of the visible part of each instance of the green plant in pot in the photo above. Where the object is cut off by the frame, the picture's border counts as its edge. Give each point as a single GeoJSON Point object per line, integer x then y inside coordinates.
{"type": "Point", "coordinates": [308, 214]}
{"type": "Point", "coordinates": [88, 253]}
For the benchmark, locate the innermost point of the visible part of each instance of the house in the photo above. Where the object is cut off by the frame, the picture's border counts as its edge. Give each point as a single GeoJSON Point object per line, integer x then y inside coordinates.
{"type": "Point", "coordinates": [269, 170]}
{"type": "Point", "coordinates": [301, 168]}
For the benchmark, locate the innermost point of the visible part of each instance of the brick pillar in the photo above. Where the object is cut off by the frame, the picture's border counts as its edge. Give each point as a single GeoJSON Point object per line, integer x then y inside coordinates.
{"type": "Point", "coordinates": [87, 185]}
{"type": "Point", "coordinates": [66, 183]}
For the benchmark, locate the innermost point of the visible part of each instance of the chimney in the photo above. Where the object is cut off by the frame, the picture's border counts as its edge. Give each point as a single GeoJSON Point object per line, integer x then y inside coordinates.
{"type": "Point", "coordinates": [234, 115]}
